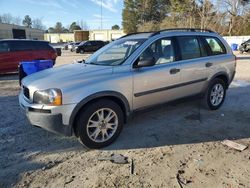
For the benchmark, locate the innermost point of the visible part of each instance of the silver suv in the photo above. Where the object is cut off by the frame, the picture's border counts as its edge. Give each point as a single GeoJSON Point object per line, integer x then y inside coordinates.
{"type": "Point", "coordinates": [93, 99]}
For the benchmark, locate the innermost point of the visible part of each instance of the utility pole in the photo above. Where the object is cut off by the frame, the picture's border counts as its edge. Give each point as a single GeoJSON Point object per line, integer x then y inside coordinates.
{"type": "Point", "coordinates": [101, 14]}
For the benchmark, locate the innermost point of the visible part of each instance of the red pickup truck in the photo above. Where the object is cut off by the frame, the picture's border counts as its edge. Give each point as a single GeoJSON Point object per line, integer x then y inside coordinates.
{"type": "Point", "coordinates": [13, 51]}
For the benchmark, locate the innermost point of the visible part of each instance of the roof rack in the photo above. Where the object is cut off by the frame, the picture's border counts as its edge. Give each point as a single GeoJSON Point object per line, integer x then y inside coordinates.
{"type": "Point", "coordinates": [135, 34]}
{"type": "Point", "coordinates": [170, 29]}
{"type": "Point", "coordinates": [183, 29]}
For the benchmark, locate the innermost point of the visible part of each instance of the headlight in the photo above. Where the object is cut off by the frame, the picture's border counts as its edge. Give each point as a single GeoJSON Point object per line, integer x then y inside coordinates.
{"type": "Point", "coordinates": [48, 96]}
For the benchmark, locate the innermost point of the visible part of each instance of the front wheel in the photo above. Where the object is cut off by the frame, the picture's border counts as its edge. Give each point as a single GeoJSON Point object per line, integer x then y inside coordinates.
{"type": "Point", "coordinates": [99, 124]}
{"type": "Point", "coordinates": [215, 94]}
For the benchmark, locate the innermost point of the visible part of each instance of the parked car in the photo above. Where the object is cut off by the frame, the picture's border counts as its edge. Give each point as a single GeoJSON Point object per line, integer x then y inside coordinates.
{"type": "Point", "coordinates": [74, 45]}
{"type": "Point", "coordinates": [245, 46]}
{"type": "Point", "coordinates": [90, 46]}
{"type": "Point", "coordinates": [12, 52]}
{"type": "Point", "coordinates": [58, 51]}
{"type": "Point", "coordinates": [92, 100]}
{"type": "Point", "coordinates": [70, 45]}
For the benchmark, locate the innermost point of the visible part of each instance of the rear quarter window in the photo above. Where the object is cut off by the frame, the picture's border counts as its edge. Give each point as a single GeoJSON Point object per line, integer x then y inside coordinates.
{"type": "Point", "coordinates": [215, 46]}
{"type": "Point", "coordinates": [42, 46]}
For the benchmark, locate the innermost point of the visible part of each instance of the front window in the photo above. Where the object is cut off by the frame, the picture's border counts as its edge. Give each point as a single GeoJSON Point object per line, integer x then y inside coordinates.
{"type": "Point", "coordinates": [115, 53]}
{"type": "Point", "coordinates": [162, 51]}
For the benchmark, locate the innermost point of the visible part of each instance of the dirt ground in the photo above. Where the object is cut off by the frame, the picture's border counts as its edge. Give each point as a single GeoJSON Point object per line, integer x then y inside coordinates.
{"type": "Point", "coordinates": [178, 138]}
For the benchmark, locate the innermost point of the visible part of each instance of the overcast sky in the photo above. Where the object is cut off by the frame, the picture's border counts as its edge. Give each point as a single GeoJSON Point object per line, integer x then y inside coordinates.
{"type": "Point", "coordinates": [67, 11]}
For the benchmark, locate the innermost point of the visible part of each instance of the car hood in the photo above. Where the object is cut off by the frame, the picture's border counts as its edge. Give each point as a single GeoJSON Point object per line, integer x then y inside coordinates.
{"type": "Point", "coordinates": [66, 75]}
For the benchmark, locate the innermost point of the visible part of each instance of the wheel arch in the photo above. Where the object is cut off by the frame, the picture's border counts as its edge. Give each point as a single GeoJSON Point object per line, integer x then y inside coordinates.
{"type": "Point", "coordinates": [222, 75]}
{"type": "Point", "coordinates": [117, 97]}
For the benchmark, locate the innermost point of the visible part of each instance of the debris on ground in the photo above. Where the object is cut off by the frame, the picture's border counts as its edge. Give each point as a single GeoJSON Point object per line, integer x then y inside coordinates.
{"type": "Point", "coordinates": [182, 181]}
{"type": "Point", "coordinates": [132, 166]}
{"type": "Point", "coordinates": [70, 180]}
{"type": "Point", "coordinates": [51, 164]}
{"type": "Point", "coordinates": [234, 145]}
{"type": "Point", "coordinates": [115, 158]}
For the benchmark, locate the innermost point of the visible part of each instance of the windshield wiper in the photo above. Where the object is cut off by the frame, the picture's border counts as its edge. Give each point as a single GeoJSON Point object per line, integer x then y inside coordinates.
{"type": "Point", "coordinates": [92, 63]}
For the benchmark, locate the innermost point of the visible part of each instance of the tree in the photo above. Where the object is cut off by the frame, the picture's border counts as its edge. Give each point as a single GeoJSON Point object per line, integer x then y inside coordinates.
{"type": "Point", "coordinates": [115, 27]}
{"type": "Point", "coordinates": [130, 16]}
{"type": "Point", "coordinates": [139, 12]}
{"type": "Point", "coordinates": [74, 26]}
{"type": "Point", "coordinates": [234, 8]}
{"type": "Point", "coordinates": [148, 26]}
{"type": "Point", "coordinates": [84, 25]}
{"type": "Point", "coordinates": [51, 30]}
{"type": "Point", "coordinates": [58, 27]}
{"type": "Point", "coordinates": [16, 20]}
{"type": "Point", "coordinates": [7, 18]}
{"type": "Point", "coordinates": [27, 21]}
{"type": "Point", "coordinates": [37, 24]}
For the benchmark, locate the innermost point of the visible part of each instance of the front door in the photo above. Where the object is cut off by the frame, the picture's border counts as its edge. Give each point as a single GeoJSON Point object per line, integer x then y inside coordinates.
{"type": "Point", "coordinates": [158, 83]}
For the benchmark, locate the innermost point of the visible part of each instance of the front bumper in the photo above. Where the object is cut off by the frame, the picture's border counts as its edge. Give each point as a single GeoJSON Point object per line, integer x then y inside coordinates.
{"type": "Point", "coordinates": [50, 118]}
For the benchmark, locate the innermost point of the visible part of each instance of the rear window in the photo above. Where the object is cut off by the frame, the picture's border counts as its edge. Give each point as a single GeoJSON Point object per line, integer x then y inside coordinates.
{"type": "Point", "coordinates": [189, 47]}
{"type": "Point", "coordinates": [4, 47]}
{"type": "Point", "coordinates": [215, 46]}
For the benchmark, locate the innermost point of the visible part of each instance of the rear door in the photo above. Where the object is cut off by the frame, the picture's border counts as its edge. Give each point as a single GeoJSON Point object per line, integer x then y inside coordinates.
{"type": "Point", "coordinates": [193, 62]}
{"type": "Point", "coordinates": [19, 51]}
{"type": "Point", "coordinates": [218, 56]}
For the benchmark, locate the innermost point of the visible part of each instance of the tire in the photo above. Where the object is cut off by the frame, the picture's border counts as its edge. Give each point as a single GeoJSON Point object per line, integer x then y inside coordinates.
{"type": "Point", "coordinates": [81, 51]}
{"type": "Point", "coordinates": [88, 125]}
{"type": "Point", "coordinates": [218, 88]}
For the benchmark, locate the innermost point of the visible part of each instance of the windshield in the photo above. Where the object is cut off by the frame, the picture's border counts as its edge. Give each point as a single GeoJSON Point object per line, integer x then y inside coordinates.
{"type": "Point", "coordinates": [115, 53]}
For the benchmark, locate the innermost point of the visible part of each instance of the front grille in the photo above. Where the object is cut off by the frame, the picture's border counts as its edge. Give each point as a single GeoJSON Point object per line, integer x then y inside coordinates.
{"type": "Point", "coordinates": [26, 92]}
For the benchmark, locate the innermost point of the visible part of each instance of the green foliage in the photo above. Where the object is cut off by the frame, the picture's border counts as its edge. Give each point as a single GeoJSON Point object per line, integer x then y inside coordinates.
{"type": "Point", "coordinates": [225, 17]}
{"type": "Point", "coordinates": [74, 26]}
{"type": "Point", "coordinates": [130, 16]}
{"type": "Point", "coordinates": [137, 13]}
{"type": "Point", "coordinates": [27, 21]}
{"type": "Point", "coordinates": [115, 27]}
{"type": "Point", "coordinates": [58, 27]}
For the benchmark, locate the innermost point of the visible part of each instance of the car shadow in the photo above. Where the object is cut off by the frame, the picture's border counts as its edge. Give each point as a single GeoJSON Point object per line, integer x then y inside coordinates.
{"type": "Point", "coordinates": [243, 57]}
{"type": "Point", "coordinates": [181, 122]}
{"type": "Point", "coordinates": [21, 143]}
{"type": "Point", "coordinates": [11, 76]}
{"type": "Point", "coordinates": [187, 122]}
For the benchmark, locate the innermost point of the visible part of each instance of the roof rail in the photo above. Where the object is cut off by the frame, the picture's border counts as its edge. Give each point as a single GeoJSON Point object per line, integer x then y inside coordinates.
{"type": "Point", "coordinates": [135, 34]}
{"type": "Point", "coordinates": [183, 29]}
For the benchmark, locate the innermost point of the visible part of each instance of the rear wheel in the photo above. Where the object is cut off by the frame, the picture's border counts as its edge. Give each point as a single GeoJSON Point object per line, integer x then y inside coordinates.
{"type": "Point", "coordinates": [81, 51]}
{"type": "Point", "coordinates": [215, 94]}
{"type": "Point", "coordinates": [99, 124]}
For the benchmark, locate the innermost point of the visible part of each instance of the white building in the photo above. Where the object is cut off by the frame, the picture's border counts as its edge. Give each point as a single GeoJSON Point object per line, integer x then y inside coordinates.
{"type": "Point", "coordinates": [10, 31]}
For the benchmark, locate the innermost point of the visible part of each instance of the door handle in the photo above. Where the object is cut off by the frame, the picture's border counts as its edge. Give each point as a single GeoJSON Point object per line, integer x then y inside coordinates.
{"type": "Point", "coordinates": [209, 64]}
{"type": "Point", "coordinates": [174, 71]}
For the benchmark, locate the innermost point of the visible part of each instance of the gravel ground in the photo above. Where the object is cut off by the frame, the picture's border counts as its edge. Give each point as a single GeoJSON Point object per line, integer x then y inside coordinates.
{"type": "Point", "coordinates": [178, 138]}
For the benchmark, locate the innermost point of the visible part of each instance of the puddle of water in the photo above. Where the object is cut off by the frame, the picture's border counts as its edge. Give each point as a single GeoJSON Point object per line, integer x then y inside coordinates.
{"type": "Point", "coordinates": [240, 83]}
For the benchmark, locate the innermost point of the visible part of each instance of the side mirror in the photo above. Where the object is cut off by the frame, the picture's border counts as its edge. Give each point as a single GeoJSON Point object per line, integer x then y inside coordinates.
{"type": "Point", "coordinates": [146, 62]}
